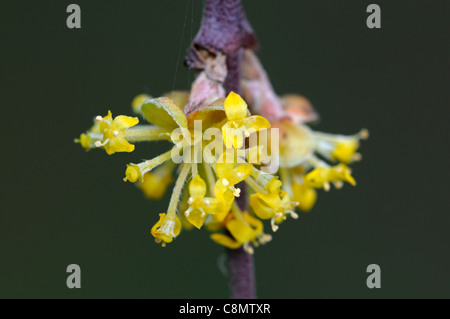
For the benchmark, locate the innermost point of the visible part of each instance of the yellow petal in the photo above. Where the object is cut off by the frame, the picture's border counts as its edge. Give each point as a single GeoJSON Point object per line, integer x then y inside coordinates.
{"type": "Point", "coordinates": [196, 219]}
{"type": "Point", "coordinates": [118, 144]}
{"type": "Point", "coordinates": [164, 113]}
{"type": "Point", "coordinates": [225, 168]}
{"type": "Point", "coordinates": [274, 185]}
{"type": "Point", "coordinates": [243, 233]}
{"type": "Point", "coordinates": [263, 205]}
{"type": "Point", "coordinates": [223, 210]}
{"type": "Point", "coordinates": [212, 205]}
{"type": "Point", "coordinates": [132, 173]}
{"type": "Point", "coordinates": [345, 152]}
{"type": "Point", "coordinates": [177, 228]}
{"type": "Point", "coordinates": [235, 107]}
{"type": "Point", "coordinates": [197, 187]}
{"type": "Point", "coordinates": [123, 122]}
{"type": "Point", "coordinates": [342, 172]}
{"type": "Point", "coordinates": [157, 225]}
{"type": "Point", "coordinates": [233, 137]}
{"type": "Point", "coordinates": [223, 192]}
{"type": "Point", "coordinates": [256, 123]}
{"type": "Point", "coordinates": [255, 222]}
{"type": "Point", "coordinates": [166, 228]}
{"type": "Point", "coordinates": [106, 124]}
{"type": "Point", "coordinates": [226, 241]}
{"type": "Point", "coordinates": [318, 177]}
{"type": "Point", "coordinates": [241, 172]}
{"type": "Point", "coordinates": [85, 141]}
{"type": "Point", "coordinates": [154, 186]}
{"type": "Point", "coordinates": [305, 196]}
{"type": "Point", "coordinates": [138, 101]}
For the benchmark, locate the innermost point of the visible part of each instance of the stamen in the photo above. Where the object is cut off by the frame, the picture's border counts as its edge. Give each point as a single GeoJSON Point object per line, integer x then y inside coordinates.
{"type": "Point", "coordinates": [248, 249]}
{"type": "Point", "coordinates": [293, 214]}
{"type": "Point", "coordinates": [225, 182]}
{"type": "Point", "coordinates": [274, 227]}
{"type": "Point", "coordinates": [237, 192]}
{"type": "Point", "coordinates": [99, 118]}
{"type": "Point", "coordinates": [357, 157]}
{"type": "Point", "coordinates": [203, 214]}
{"type": "Point", "coordinates": [190, 200]}
{"type": "Point", "coordinates": [278, 215]}
{"type": "Point", "coordinates": [264, 238]}
{"type": "Point", "coordinates": [99, 144]}
{"type": "Point", "coordinates": [246, 133]}
{"type": "Point", "coordinates": [326, 186]}
{"type": "Point", "coordinates": [338, 184]}
{"type": "Point", "coordinates": [188, 212]}
{"type": "Point", "coordinates": [206, 201]}
{"type": "Point", "coordinates": [115, 133]}
{"type": "Point", "coordinates": [364, 134]}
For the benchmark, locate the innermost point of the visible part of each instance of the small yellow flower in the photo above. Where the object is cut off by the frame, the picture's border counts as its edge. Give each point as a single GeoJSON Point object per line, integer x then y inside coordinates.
{"type": "Point", "coordinates": [239, 124]}
{"type": "Point", "coordinates": [138, 101]}
{"type": "Point", "coordinates": [155, 183]}
{"type": "Point", "coordinates": [345, 151]}
{"type": "Point", "coordinates": [136, 172]}
{"type": "Point", "coordinates": [199, 205]}
{"type": "Point", "coordinates": [342, 172]}
{"type": "Point", "coordinates": [340, 148]}
{"type": "Point", "coordinates": [166, 229]}
{"type": "Point", "coordinates": [229, 174]}
{"type": "Point", "coordinates": [304, 195]}
{"type": "Point", "coordinates": [321, 177]}
{"type": "Point", "coordinates": [88, 139]}
{"type": "Point", "coordinates": [243, 231]}
{"type": "Point", "coordinates": [113, 133]}
{"type": "Point", "coordinates": [275, 204]}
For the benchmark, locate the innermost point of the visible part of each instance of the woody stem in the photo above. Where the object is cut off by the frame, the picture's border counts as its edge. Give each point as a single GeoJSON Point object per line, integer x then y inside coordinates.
{"type": "Point", "coordinates": [225, 29]}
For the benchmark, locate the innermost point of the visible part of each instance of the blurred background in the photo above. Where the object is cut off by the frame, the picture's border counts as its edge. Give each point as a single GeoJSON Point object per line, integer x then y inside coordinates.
{"type": "Point", "coordinates": [61, 205]}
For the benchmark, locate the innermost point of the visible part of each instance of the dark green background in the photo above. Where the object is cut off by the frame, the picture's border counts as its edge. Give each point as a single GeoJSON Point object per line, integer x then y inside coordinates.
{"type": "Point", "coordinates": [61, 205]}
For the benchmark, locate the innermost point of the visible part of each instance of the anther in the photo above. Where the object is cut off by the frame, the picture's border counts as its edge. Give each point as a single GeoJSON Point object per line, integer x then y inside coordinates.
{"type": "Point", "coordinates": [278, 215]}
{"type": "Point", "coordinates": [294, 215]}
{"type": "Point", "coordinates": [357, 157]}
{"type": "Point", "coordinates": [115, 133]}
{"type": "Point", "coordinates": [99, 118]}
{"type": "Point", "coordinates": [364, 134]}
{"type": "Point", "coordinates": [248, 249]}
{"type": "Point", "coordinates": [237, 192]}
{"type": "Point", "coordinates": [190, 200]}
{"type": "Point", "coordinates": [98, 143]}
{"type": "Point", "coordinates": [338, 184]}
{"type": "Point", "coordinates": [225, 182]}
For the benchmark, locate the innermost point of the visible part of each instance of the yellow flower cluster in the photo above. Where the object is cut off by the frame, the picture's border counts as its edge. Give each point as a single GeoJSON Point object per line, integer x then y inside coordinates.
{"type": "Point", "coordinates": [205, 191]}
{"type": "Point", "coordinates": [303, 156]}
